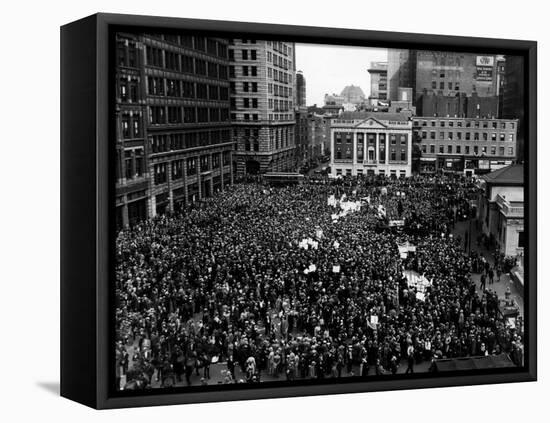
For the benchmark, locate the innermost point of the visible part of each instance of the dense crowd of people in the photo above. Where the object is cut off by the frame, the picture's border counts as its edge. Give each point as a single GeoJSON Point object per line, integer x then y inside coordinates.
{"type": "Point", "coordinates": [229, 281]}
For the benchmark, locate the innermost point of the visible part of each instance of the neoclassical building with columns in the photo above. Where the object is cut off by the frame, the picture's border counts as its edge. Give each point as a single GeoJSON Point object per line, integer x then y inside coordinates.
{"type": "Point", "coordinates": [371, 143]}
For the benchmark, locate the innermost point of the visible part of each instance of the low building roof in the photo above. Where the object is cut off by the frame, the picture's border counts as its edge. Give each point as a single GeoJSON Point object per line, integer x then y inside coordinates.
{"type": "Point", "coordinates": [376, 115]}
{"type": "Point", "coordinates": [509, 175]}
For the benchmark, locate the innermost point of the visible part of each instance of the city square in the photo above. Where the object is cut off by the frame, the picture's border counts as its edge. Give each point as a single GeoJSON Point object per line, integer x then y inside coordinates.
{"type": "Point", "coordinates": [263, 239]}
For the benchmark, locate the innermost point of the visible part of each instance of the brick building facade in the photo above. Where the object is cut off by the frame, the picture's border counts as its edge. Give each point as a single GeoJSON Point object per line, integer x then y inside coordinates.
{"type": "Point", "coordinates": [466, 145]}
{"type": "Point", "coordinates": [378, 72]}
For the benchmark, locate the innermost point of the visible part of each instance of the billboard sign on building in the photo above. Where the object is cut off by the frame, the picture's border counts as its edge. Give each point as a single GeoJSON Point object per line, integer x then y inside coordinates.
{"type": "Point", "coordinates": [485, 65]}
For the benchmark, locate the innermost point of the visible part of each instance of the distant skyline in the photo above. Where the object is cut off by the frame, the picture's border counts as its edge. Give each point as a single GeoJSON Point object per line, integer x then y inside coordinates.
{"type": "Point", "coordinates": [329, 69]}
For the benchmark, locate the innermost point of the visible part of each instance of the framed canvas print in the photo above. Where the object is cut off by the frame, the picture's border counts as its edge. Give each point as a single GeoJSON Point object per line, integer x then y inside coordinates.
{"type": "Point", "coordinates": [257, 211]}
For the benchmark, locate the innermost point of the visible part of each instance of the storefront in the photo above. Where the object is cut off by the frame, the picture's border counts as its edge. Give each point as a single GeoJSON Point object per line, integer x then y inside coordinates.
{"type": "Point", "coordinates": [450, 164]}
{"type": "Point", "coordinates": [427, 165]}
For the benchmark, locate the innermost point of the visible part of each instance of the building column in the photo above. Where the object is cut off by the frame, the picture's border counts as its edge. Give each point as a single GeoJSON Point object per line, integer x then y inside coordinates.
{"type": "Point", "coordinates": [409, 153]}
{"type": "Point", "coordinates": [387, 149]}
{"type": "Point", "coordinates": [170, 195]}
{"type": "Point", "coordinates": [230, 167]}
{"type": "Point", "coordinates": [332, 148]}
{"type": "Point", "coordinates": [354, 148]}
{"type": "Point", "coordinates": [199, 180]}
{"type": "Point", "coordinates": [365, 147]}
{"type": "Point", "coordinates": [185, 190]}
{"type": "Point", "coordinates": [125, 219]}
{"type": "Point", "coordinates": [377, 148]}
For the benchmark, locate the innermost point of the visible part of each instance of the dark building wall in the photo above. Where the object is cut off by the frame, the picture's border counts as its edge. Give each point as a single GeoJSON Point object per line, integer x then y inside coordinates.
{"type": "Point", "coordinates": [459, 105]}
{"type": "Point", "coordinates": [450, 73]}
{"type": "Point", "coordinates": [401, 71]}
{"type": "Point", "coordinates": [302, 136]}
{"type": "Point", "coordinates": [300, 90]}
{"type": "Point", "coordinates": [443, 73]}
{"type": "Point", "coordinates": [174, 147]}
{"type": "Point", "coordinates": [513, 97]}
{"type": "Point", "coordinates": [319, 135]}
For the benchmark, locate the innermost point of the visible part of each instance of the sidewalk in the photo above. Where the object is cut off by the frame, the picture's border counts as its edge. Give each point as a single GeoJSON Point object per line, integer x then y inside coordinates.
{"type": "Point", "coordinates": [506, 281]}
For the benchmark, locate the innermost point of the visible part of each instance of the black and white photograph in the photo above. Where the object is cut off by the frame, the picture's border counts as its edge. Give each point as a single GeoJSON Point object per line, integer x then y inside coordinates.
{"type": "Point", "coordinates": [300, 213]}
{"type": "Point", "coordinates": [275, 211]}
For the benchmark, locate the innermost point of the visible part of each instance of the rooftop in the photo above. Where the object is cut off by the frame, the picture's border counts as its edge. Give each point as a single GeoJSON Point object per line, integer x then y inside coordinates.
{"type": "Point", "coordinates": [378, 67]}
{"type": "Point", "coordinates": [509, 175]}
{"type": "Point", "coordinates": [376, 115]}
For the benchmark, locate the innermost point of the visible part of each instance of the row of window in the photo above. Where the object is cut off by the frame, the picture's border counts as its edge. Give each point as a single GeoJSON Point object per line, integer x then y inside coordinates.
{"type": "Point", "coordinates": [128, 89]}
{"type": "Point", "coordinates": [450, 85]}
{"type": "Point", "coordinates": [494, 124]}
{"type": "Point", "coordinates": [245, 54]}
{"type": "Point", "coordinates": [133, 164]}
{"type": "Point", "coordinates": [131, 125]}
{"type": "Point", "coordinates": [279, 76]}
{"type": "Point", "coordinates": [395, 154]}
{"type": "Point", "coordinates": [247, 86]}
{"type": "Point", "coordinates": [279, 90]}
{"type": "Point", "coordinates": [185, 89]}
{"type": "Point", "coordinates": [279, 105]}
{"type": "Point", "coordinates": [162, 143]}
{"type": "Point", "coordinates": [279, 116]}
{"type": "Point", "coordinates": [207, 45]}
{"type": "Point", "coordinates": [457, 149]}
{"type": "Point", "coordinates": [246, 103]}
{"type": "Point", "coordinates": [372, 172]}
{"type": "Point", "coordinates": [347, 137]}
{"type": "Point", "coordinates": [184, 63]}
{"type": "Point", "coordinates": [127, 53]}
{"type": "Point", "coordinates": [278, 138]}
{"type": "Point", "coordinates": [246, 71]}
{"type": "Point", "coordinates": [278, 61]}
{"type": "Point", "coordinates": [194, 164]}
{"type": "Point", "coordinates": [468, 136]}
{"type": "Point", "coordinates": [162, 201]}
{"type": "Point", "coordinates": [280, 47]}
{"type": "Point", "coordinates": [160, 115]}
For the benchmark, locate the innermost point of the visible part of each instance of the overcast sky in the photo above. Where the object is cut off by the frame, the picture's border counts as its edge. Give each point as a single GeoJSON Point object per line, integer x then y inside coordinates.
{"type": "Point", "coordinates": [328, 69]}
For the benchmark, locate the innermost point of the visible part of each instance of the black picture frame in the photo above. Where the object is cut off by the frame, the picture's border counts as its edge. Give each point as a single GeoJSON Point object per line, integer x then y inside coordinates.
{"type": "Point", "coordinates": [87, 192]}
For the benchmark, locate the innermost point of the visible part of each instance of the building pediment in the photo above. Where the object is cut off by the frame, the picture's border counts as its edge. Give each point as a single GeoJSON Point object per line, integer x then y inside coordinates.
{"type": "Point", "coordinates": [371, 123]}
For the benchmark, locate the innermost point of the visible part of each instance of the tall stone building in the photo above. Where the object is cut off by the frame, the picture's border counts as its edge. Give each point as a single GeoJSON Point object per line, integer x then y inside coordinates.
{"type": "Point", "coordinates": [378, 72]}
{"type": "Point", "coordinates": [300, 89]}
{"type": "Point", "coordinates": [173, 144]}
{"type": "Point", "coordinates": [263, 92]}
